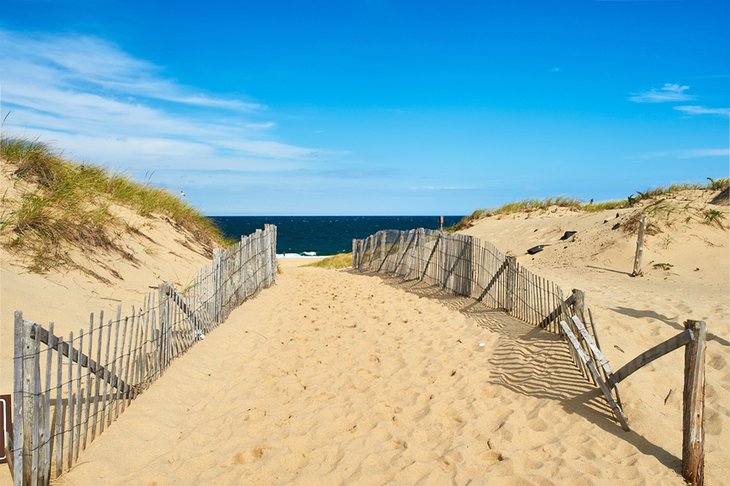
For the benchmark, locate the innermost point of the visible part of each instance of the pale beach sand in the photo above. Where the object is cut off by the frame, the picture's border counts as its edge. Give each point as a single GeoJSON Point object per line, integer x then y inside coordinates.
{"type": "Point", "coordinates": [332, 377]}
{"type": "Point", "coordinates": [336, 378]}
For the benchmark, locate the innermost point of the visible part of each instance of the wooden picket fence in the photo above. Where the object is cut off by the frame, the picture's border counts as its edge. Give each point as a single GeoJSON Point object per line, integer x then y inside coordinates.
{"type": "Point", "coordinates": [466, 266]}
{"type": "Point", "coordinates": [68, 390]}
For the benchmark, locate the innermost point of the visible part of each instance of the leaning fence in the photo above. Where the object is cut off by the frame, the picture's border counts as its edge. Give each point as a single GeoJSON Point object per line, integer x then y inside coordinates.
{"type": "Point", "coordinates": [68, 390]}
{"type": "Point", "coordinates": [467, 266]}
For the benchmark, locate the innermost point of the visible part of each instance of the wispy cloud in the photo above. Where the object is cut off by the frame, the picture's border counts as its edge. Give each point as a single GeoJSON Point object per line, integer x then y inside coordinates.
{"type": "Point", "coordinates": [441, 188]}
{"type": "Point", "coordinates": [702, 110]}
{"type": "Point", "coordinates": [688, 153]}
{"type": "Point", "coordinates": [101, 104]}
{"type": "Point", "coordinates": [670, 92]}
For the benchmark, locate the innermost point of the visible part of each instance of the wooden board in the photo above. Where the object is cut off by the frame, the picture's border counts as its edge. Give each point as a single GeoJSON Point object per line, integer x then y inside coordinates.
{"type": "Point", "coordinates": [618, 413]}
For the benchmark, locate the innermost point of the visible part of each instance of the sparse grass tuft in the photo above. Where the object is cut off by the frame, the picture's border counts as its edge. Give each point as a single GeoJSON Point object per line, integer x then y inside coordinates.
{"type": "Point", "coordinates": [714, 217]}
{"type": "Point", "coordinates": [70, 204]}
{"type": "Point", "coordinates": [536, 204]}
{"type": "Point", "coordinates": [561, 201]}
{"type": "Point", "coordinates": [718, 184]}
{"type": "Point", "coordinates": [341, 260]}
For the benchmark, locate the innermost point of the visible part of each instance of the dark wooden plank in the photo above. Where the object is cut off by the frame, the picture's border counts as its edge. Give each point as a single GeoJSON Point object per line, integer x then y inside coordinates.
{"type": "Point", "coordinates": [77, 356]}
{"type": "Point", "coordinates": [693, 405]}
{"type": "Point", "coordinates": [650, 355]}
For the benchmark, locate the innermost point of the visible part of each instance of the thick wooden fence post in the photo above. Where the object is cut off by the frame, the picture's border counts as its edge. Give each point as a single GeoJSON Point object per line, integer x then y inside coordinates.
{"type": "Point", "coordinates": [639, 248]}
{"type": "Point", "coordinates": [693, 427]}
{"type": "Point", "coordinates": [510, 278]}
{"type": "Point", "coordinates": [217, 298]}
{"type": "Point", "coordinates": [21, 436]}
{"type": "Point", "coordinates": [579, 304]}
{"type": "Point", "coordinates": [383, 241]}
{"type": "Point", "coordinates": [354, 253]}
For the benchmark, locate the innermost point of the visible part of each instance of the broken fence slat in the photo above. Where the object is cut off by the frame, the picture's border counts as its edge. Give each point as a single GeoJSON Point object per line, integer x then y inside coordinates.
{"type": "Point", "coordinates": [618, 413]}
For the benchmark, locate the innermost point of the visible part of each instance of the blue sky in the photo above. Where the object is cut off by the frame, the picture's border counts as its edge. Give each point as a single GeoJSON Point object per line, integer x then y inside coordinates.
{"type": "Point", "coordinates": [375, 107]}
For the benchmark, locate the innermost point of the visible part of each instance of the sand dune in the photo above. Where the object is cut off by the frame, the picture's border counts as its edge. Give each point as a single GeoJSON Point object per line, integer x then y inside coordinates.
{"type": "Point", "coordinates": [339, 378]}
{"type": "Point", "coordinates": [632, 314]}
{"type": "Point", "coordinates": [336, 378]}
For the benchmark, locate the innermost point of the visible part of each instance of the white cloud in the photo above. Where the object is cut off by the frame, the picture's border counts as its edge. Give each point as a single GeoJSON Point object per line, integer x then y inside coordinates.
{"type": "Point", "coordinates": [701, 110]}
{"type": "Point", "coordinates": [99, 104]}
{"type": "Point", "coordinates": [689, 153]}
{"type": "Point", "coordinates": [670, 92]}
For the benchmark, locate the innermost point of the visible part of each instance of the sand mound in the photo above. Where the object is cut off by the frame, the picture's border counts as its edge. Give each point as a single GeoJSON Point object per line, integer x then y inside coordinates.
{"type": "Point", "coordinates": [149, 249]}
{"type": "Point", "coordinates": [686, 276]}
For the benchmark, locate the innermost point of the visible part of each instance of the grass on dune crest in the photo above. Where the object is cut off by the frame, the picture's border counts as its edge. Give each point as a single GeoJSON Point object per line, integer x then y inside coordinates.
{"type": "Point", "coordinates": [70, 203]}
{"type": "Point", "coordinates": [577, 204]}
{"type": "Point", "coordinates": [341, 260]}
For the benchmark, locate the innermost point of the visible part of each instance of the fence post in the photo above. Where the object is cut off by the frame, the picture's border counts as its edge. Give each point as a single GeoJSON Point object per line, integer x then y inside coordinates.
{"type": "Point", "coordinates": [274, 269]}
{"type": "Point", "coordinates": [21, 435]}
{"type": "Point", "coordinates": [579, 304]}
{"type": "Point", "coordinates": [217, 300]}
{"type": "Point", "coordinates": [693, 405]}
{"type": "Point", "coordinates": [354, 253]}
{"type": "Point", "coordinates": [639, 248]}
{"type": "Point", "coordinates": [510, 277]}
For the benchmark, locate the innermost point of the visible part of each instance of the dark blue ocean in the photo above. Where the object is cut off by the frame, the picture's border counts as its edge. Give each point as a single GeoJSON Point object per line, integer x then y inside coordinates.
{"type": "Point", "coordinates": [324, 235]}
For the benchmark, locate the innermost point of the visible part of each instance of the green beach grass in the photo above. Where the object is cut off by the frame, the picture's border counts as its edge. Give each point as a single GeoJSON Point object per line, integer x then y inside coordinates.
{"type": "Point", "coordinates": [69, 203]}
{"type": "Point", "coordinates": [578, 205]}
{"type": "Point", "coordinates": [335, 262]}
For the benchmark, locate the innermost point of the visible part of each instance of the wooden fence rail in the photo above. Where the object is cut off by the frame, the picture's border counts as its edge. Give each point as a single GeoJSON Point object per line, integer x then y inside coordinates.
{"type": "Point", "coordinates": [52, 409]}
{"type": "Point", "coordinates": [467, 266]}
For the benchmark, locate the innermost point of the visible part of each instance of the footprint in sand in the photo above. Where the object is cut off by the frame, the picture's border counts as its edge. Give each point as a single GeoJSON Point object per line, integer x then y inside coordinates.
{"type": "Point", "coordinates": [492, 456]}
{"type": "Point", "coordinates": [247, 457]}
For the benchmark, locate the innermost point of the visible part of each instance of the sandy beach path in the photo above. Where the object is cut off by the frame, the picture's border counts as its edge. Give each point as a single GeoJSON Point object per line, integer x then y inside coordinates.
{"type": "Point", "coordinates": [336, 378]}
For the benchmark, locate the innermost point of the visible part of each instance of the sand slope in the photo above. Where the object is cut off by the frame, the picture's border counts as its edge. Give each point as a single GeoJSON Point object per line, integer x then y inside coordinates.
{"type": "Point", "coordinates": [633, 314]}
{"type": "Point", "coordinates": [336, 378]}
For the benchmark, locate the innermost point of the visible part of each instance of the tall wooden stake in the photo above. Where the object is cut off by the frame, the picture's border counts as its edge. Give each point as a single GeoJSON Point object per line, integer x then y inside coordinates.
{"type": "Point", "coordinates": [693, 429]}
{"type": "Point", "coordinates": [639, 248]}
{"type": "Point", "coordinates": [510, 277]}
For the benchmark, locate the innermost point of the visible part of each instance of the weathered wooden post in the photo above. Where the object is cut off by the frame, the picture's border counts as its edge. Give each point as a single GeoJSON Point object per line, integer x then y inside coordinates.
{"type": "Point", "coordinates": [354, 253]}
{"type": "Point", "coordinates": [401, 248]}
{"type": "Point", "coordinates": [217, 298]}
{"type": "Point", "coordinates": [579, 304]}
{"type": "Point", "coordinates": [383, 240]}
{"type": "Point", "coordinates": [639, 248]}
{"type": "Point", "coordinates": [22, 405]}
{"type": "Point", "coordinates": [693, 428]}
{"type": "Point", "coordinates": [510, 278]}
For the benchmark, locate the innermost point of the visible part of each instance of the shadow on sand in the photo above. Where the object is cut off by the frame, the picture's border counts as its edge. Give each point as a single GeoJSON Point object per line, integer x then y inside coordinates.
{"type": "Point", "coordinates": [536, 363]}
{"type": "Point", "coordinates": [670, 321]}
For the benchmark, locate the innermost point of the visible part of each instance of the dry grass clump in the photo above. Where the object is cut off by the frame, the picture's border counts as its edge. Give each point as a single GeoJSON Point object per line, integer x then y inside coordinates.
{"type": "Point", "coordinates": [68, 205]}
{"type": "Point", "coordinates": [341, 260]}
{"type": "Point", "coordinates": [578, 205]}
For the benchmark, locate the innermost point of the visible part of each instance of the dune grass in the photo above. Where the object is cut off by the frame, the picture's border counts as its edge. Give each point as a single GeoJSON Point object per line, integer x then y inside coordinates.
{"type": "Point", "coordinates": [341, 260]}
{"type": "Point", "coordinates": [578, 205]}
{"type": "Point", "coordinates": [69, 203]}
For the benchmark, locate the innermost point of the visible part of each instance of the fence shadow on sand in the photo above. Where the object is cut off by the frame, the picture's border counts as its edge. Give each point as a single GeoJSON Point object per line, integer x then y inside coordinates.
{"type": "Point", "coordinates": [533, 362]}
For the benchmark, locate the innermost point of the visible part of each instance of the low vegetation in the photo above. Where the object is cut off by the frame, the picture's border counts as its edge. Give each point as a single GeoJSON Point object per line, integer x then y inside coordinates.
{"type": "Point", "coordinates": [68, 205]}
{"type": "Point", "coordinates": [578, 205]}
{"type": "Point", "coordinates": [341, 260]}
